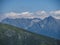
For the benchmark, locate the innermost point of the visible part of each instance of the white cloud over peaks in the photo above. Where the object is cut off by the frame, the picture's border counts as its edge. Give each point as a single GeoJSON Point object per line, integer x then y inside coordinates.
{"type": "Point", "coordinates": [42, 14]}
{"type": "Point", "coordinates": [19, 15]}
{"type": "Point", "coordinates": [38, 14]}
{"type": "Point", "coordinates": [2, 16]}
{"type": "Point", "coordinates": [55, 14]}
{"type": "Point", "coordinates": [14, 15]}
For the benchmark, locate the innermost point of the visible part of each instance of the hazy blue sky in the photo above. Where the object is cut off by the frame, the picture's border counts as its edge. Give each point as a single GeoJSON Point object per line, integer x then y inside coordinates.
{"type": "Point", "coordinates": [28, 5]}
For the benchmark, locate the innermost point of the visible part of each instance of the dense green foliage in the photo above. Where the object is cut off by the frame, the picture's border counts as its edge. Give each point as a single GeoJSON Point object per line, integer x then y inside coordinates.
{"type": "Point", "coordinates": [10, 35]}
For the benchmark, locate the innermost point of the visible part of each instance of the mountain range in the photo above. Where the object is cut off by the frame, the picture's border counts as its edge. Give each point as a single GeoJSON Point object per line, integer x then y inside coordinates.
{"type": "Point", "coordinates": [48, 26]}
{"type": "Point", "coordinates": [11, 35]}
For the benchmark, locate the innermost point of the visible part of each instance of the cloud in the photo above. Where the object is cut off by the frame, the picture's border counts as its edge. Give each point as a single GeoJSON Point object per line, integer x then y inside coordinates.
{"type": "Point", "coordinates": [2, 17]}
{"type": "Point", "coordinates": [19, 15]}
{"type": "Point", "coordinates": [38, 14]}
{"type": "Point", "coordinates": [55, 14]}
{"type": "Point", "coordinates": [42, 14]}
{"type": "Point", "coordinates": [14, 15]}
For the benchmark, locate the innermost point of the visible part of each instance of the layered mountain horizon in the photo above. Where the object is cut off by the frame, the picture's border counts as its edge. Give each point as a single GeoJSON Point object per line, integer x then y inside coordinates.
{"type": "Point", "coordinates": [49, 26]}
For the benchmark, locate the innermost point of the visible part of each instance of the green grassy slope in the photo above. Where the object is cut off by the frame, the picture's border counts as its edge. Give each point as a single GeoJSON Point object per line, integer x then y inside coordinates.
{"type": "Point", "coordinates": [11, 35]}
